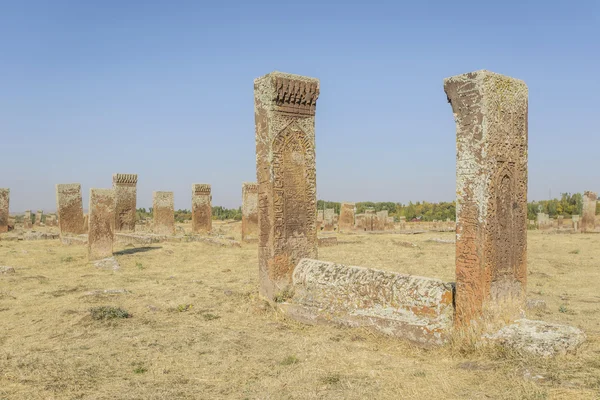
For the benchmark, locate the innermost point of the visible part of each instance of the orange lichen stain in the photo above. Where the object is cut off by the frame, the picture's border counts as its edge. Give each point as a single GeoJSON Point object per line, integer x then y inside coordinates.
{"type": "Point", "coordinates": [447, 298]}
{"type": "Point", "coordinates": [423, 311]}
{"type": "Point", "coordinates": [280, 267]}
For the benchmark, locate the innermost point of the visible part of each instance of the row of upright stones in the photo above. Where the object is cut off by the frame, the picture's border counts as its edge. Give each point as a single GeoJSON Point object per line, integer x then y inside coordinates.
{"type": "Point", "coordinates": [114, 210]}
{"type": "Point", "coordinates": [490, 112]}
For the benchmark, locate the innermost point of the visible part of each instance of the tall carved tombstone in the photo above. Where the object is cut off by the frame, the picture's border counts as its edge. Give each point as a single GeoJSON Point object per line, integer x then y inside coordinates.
{"type": "Point", "coordinates": [380, 220]}
{"type": "Point", "coordinates": [575, 220]}
{"type": "Point", "coordinates": [369, 219]}
{"type": "Point", "coordinates": [38, 217]}
{"type": "Point", "coordinates": [163, 213]}
{"type": "Point", "coordinates": [125, 186]}
{"type": "Point", "coordinates": [588, 218]}
{"type": "Point", "coordinates": [284, 107]}
{"type": "Point", "coordinates": [4, 207]}
{"type": "Point", "coordinates": [27, 219]}
{"type": "Point", "coordinates": [69, 208]}
{"type": "Point", "coordinates": [490, 111]}
{"type": "Point", "coordinates": [328, 220]}
{"type": "Point", "coordinates": [201, 208]}
{"type": "Point", "coordinates": [249, 211]}
{"type": "Point", "coordinates": [101, 232]}
{"type": "Point", "coordinates": [346, 221]}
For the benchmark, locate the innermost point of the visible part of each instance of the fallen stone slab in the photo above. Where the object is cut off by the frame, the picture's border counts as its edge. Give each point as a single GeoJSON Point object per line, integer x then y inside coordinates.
{"type": "Point", "coordinates": [412, 307]}
{"type": "Point", "coordinates": [107, 263]}
{"type": "Point", "coordinates": [539, 337]}
{"type": "Point", "coordinates": [74, 240]}
{"type": "Point", "coordinates": [4, 270]}
{"type": "Point", "coordinates": [327, 241]}
{"type": "Point", "coordinates": [40, 235]}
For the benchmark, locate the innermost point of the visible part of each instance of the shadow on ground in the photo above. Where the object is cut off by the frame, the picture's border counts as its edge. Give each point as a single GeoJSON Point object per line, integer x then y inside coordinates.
{"type": "Point", "coordinates": [135, 250]}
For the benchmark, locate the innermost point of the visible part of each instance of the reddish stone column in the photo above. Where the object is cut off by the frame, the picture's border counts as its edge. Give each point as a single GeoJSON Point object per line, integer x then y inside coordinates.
{"type": "Point", "coordinates": [588, 218]}
{"type": "Point", "coordinates": [163, 213]}
{"type": "Point", "coordinates": [4, 207]}
{"type": "Point", "coordinates": [101, 231]}
{"type": "Point", "coordinates": [346, 221]}
{"type": "Point", "coordinates": [69, 208]}
{"type": "Point", "coordinates": [249, 211]}
{"type": "Point", "coordinates": [490, 111]}
{"type": "Point", "coordinates": [201, 208]}
{"type": "Point", "coordinates": [125, 186]}
{"type": "Point", "coordinates": [284, 107]}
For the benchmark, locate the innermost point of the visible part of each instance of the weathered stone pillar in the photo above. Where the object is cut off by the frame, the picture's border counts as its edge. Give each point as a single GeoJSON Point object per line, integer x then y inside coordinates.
{"type": "Point", "coordinates": [389, 225]}
{"type": "Point", "coordinates": [346, 221]}
{"type": "Point", "coordinates": [101, 231]}
{"type": "Point", "coordinates": [125, 186]}
{"type": "Point", "coordinates": [588, 218]}
{"type": "Point", "coordinates": [575, 221]}
{"type": "Point", "coordinates": [201, 208]}
{"type": "Point", "coordinates": [369, 219]}
{"type": "Point", "coordinates": [559, 221]}
{"type": "Point", "coordinates": [163, 212]}
{"type": "Point", "coordinates": [27, 219]}
{"type": "Point", "coordinates": [328, 220]}
{"type": "Point", "coordinates": [284, 107]}
{"type": "Point", "coordinates": [380, 220]}
{"type": "Point", "coordinates": [319, 220]}
{"type": "Point", "coordinates": [38, 217]}
{"type": "Point", "coordinates": [4, 207]}
{"type": "Point", "coordinates": [249, 211]}
{"type": "Point", "coordinates": [490, 111]}
{"type": "Point", "coordinates": [69, 207]}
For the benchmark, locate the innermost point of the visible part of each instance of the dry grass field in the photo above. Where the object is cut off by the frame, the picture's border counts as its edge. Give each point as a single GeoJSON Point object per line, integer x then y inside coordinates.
{"type": "Point", "coordinates": [199, 331]}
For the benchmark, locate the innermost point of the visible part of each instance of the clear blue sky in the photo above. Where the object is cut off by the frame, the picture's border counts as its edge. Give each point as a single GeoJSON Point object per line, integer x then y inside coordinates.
{"type": "Point", "coordinates": [165, 90]}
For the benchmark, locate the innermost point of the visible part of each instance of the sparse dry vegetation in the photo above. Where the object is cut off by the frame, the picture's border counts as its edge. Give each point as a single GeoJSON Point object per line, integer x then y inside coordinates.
{"type": "Point", "coordinates": [198, 329]}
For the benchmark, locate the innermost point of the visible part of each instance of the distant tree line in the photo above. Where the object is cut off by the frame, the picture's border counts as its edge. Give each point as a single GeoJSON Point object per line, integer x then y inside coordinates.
{"type": "Point", "coordinates": [423, 211]}
{"type": "Point", "coordinates": [218, 213]}
{"type": "Point", "coordinates": [568, 204]}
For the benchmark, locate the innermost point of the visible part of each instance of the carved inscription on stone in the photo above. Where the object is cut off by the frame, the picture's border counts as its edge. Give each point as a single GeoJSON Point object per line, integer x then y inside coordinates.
{"type": "Point", "coordinates": [249, 211]}
{"type": "Point", "coordinates": [201, 208]}
{"type": "Point", "coordinates": [285, 161]}
{"type": "Point", "coordinates": [101, 230]}
{"type": "Point", "coordinates": [163, 213]}
{"type": "Point", "coordinates": [69, 208]}
{"type": "Point", "coordinates": [490, 111]}
{"type": "Point", "coordinates": [125, 186]}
